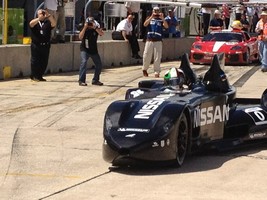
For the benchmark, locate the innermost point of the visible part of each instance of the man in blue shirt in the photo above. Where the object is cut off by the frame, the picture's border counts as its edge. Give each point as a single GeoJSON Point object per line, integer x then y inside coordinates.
{"type": "Point", "coordinates": [172, 23]}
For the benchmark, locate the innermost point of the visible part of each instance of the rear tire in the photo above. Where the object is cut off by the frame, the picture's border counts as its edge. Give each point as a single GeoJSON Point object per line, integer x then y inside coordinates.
{"type": "Point", "coordinates": [182, 139]}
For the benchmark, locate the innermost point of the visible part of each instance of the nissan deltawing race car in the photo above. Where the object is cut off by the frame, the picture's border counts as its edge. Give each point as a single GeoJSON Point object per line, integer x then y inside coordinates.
{"type": "Point", "coordinates": [238, 47]}
{"type": "Point", "coordinates": [160, 122]}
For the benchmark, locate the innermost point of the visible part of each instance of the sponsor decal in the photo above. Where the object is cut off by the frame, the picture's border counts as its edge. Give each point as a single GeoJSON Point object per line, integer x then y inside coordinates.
{"type": "Point", "coordinates": [210, 115]}
{"type": "Point", "coordinates": [155, 144]}
{"type": "Point", "coordinates": [140, 130]}
{"type": "Point", "coordinates": [130, 135]}
{"type": "Point", "coordinates": [137, 93]}
{"type": "Point", "coordinates": [257, 135]}
{"type": "Point", "coordinates": [147, 110]}
{"type": "Point", "coordinates": [162, 143]}
{"type": "Point", "coordinates": [258, 115]}
{"type": "Point", "coordinates": [208, 56]}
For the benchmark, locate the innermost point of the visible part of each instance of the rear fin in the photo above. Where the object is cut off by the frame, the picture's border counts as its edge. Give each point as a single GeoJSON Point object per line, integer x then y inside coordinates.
{"type": "Point", "coordinates": [188, 71]}
{"type": "Point", "coordinates": [264, 98]}
{"type": "Point", "coordinates": [215, 79]}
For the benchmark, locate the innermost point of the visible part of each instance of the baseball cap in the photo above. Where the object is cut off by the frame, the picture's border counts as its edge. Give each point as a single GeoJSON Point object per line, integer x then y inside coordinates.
{"type": "Point", "coordinates": [156, 8]}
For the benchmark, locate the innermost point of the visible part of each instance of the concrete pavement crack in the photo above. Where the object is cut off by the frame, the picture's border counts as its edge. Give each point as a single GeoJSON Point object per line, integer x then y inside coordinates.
{"type": "Point", "coordinates": [11, 153]}
{"type": "Point", "coordinates": [76, 185]}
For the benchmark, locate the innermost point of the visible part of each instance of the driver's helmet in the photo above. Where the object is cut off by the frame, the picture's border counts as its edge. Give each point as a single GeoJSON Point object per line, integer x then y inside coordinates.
{"type": "Point", "coordinates": [174, 77]}
{"type": "Point", "coordinates": [237, 25]}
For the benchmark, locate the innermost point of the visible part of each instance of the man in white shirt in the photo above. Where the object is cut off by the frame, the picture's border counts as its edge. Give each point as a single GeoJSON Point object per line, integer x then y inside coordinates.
{"type": "Point", "coordinates": [126, 27]}
{"type": "Point", "coordinates": [61, 22]}
{"type": "Point", "coordinates": [133, 8]}
{"type": "Point", "coordinates": [51, 7]}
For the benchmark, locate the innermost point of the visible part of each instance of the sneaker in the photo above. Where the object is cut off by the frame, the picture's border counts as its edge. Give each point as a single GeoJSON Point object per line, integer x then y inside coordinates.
{"type": "Point", "coordinates": [82, 84]}
{"type": "Point", "coordinates": [42, 79]}
{"type": "Point", "coordinates": [61, 41]}
{"type": "Point", "coordinates": [97, 83]}
{"type": "Point", "coordinates": [145, 73]}
{"type": "Point", "coordinates": [264, 69]}
{"type": "Point", "coordinates": [156, 75]}
{"type": "Point", "coordinates": [35, 79]}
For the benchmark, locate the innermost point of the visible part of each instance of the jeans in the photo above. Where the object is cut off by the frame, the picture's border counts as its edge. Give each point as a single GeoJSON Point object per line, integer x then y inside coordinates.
{"type": "Point", "coordinates": [260, 47]}
{"type": "Point", "coordinates": [264, 54]}
{"type": "Point", "coordinates": [83, 67]}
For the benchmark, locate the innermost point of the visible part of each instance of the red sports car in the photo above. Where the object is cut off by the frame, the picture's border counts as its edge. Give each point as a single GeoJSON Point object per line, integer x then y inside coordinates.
{"type": "Point", "coordinates": [238, 47]}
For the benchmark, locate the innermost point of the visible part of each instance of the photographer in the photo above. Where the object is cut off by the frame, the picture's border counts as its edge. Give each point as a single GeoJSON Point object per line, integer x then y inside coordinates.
{"type": "Point", "coordinates": [154, 24]}
{"type": "Point", "coordinates": [40, 47]}
{"type": "Point", "coordinates": [89, 35]}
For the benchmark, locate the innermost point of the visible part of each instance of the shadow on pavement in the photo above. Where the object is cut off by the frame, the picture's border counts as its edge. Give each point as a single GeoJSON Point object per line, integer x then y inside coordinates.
{"type": "Point", "coordinates": [203, 161]}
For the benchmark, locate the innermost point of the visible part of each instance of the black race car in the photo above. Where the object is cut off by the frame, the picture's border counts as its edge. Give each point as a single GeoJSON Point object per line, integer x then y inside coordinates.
{"type": "Point", "coordinates": [157, 123]}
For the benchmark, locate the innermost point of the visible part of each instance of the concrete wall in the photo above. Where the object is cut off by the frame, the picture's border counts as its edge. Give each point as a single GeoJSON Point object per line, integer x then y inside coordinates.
{"type": "Point", "coordinates": [66, 57]}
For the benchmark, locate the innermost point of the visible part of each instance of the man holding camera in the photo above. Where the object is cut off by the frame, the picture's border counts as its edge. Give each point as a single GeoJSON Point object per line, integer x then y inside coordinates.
{"type": "Point", "coordinates": [40, 47]}
{"type": "Point", "coordinates": [154, 24]}
{"type": "Point", "coordinates": [89, 35]}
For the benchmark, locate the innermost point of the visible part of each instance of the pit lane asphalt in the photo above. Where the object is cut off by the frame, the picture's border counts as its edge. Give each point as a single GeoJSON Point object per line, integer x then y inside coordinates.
{"type": "Point", "coordinates": [51, 138]}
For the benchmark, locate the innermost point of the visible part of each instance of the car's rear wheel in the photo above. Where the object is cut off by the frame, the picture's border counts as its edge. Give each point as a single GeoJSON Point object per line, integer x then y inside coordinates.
{"type": "Point", "coordinates": [182, 139]}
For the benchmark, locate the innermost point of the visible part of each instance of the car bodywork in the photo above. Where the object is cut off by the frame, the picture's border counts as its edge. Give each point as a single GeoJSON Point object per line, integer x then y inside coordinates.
{"type": "Point", "coordinates": [238, 47]}
{"type": "Point", "coordinates": [158, 123]}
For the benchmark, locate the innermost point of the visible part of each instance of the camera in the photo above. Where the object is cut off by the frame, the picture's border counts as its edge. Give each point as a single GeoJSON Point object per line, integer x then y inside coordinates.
{"type": "Point", "coordinates": [90, 21]}
{"type": "Point", "coordinates": [43, 12]}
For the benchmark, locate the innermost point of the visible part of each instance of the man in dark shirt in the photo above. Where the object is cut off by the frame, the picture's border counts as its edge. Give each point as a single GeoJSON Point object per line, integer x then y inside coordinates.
{"type": "Point", "coordinates": [40, 47]}
{"type": "Point", "coordinates": [89, 35]}
{"type": "Point", "coordinates": [216, 23]}
{"type": "Point", "coordinates": [244, 22]}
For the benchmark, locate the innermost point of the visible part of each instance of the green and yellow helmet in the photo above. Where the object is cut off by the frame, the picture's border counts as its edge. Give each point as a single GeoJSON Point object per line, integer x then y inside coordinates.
{"type": "Point", "coordinates": [174, 77]}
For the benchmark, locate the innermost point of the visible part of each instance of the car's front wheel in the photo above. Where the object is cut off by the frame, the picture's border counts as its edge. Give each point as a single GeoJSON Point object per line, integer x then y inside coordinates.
{"type": "Point", "coordinates": [182, 139]}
